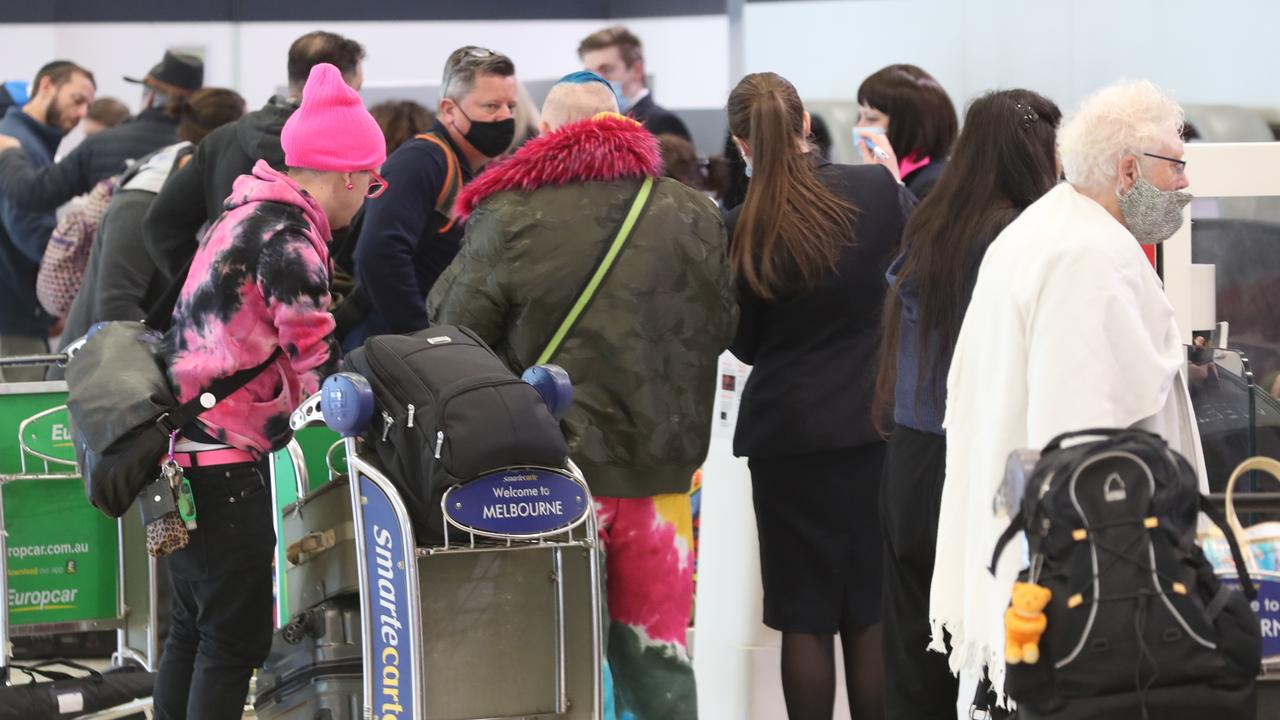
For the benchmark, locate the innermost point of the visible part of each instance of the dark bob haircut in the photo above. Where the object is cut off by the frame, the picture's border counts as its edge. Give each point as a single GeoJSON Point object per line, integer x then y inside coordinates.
{"type": "Point", "coordinates": [922, 119]}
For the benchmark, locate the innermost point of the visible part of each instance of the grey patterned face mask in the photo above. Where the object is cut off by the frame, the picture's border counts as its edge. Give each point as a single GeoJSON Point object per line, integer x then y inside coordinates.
{"type": "Point", "coordinates": [1152, 215]}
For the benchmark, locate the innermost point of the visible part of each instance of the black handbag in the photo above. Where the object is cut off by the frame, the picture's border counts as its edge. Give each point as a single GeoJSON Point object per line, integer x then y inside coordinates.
{"type": "Point", "coordinates": [63, 695]}
{"type": "Point", "coordinates": [123, 410]}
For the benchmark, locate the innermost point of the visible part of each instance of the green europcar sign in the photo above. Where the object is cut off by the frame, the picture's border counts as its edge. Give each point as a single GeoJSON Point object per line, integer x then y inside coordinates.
{"type": "Point", "coordinates": [61, 554]}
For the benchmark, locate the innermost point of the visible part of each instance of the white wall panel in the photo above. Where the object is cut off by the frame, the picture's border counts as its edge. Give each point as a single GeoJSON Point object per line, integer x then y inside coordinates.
{"type": "Point", "coordinates": [688, 56]}
{"type": "Point", "coordinates": [1205, 51]}
{"type": "Point", "coordinates": [113, 50]}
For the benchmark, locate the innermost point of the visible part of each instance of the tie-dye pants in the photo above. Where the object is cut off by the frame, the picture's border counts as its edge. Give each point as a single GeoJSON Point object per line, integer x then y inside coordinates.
{"type": "Point", "coordinates": [647, 545]}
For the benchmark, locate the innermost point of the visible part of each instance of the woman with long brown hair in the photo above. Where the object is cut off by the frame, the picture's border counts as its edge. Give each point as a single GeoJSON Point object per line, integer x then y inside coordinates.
{"type": "Point", "coordinates": [1003, 162]}
{"type": "Point", "coordinates": [810, 245]}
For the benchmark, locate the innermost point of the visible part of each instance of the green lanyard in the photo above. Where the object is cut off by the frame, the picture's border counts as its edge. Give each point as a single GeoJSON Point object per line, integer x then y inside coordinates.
{"type": "Point", "coordinates": [602, 269]}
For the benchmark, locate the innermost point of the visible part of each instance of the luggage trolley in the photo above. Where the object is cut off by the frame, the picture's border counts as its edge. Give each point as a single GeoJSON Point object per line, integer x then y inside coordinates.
{"type": "Point", "coordinates": [72, 590]}
{"type": "Point", "coordinates": [501, 620]}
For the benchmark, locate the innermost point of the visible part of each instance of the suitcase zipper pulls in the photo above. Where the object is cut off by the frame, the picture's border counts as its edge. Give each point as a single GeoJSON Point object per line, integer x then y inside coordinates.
{"type": "Point", "coordinates": [411, 411]}
{"type": "Point", "coordinates": [387, 421]}
{"type": "Point", "coordinates": [439, 442]}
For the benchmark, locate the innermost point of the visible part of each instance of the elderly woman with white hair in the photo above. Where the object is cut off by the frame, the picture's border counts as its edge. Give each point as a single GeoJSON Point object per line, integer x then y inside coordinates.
{"type": "Point", "coordinates": [1069, 329]}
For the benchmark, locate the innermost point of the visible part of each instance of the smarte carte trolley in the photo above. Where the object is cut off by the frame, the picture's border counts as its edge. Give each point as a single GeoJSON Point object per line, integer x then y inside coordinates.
{"type": "Point", "coordinates": [500, 620]}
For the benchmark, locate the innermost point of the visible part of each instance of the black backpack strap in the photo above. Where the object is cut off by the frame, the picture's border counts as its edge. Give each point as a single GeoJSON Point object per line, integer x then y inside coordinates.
{"type": "Point", "coordinates": [221, 389]}
{"type": "Point", "coordinates": [984, 699]}
{"type": "Point", "coordinates": [1246, 582]}
{"type": "Point", "coordinates": [41, 669]}
{"type": "Point", "coordinates": [1218, 603]}
{"type": "Point", "coordinates": [1015, 527]}
{"type": "Point", "coordinates": [161, 315]}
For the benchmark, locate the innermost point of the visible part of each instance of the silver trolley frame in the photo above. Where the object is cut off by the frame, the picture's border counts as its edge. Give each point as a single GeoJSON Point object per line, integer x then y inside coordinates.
{"type": "Point", "coordinates": [578, 536]}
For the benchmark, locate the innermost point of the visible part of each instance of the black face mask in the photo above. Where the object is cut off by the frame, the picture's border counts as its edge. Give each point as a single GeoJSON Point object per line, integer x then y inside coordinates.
{"type": "Point", "coordinates": [490, 138]}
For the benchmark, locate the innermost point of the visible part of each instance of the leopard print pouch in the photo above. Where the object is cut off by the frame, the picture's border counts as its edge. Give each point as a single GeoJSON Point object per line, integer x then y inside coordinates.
{"type": "Point", "coordinates": [166, 535]}
{"type": "Point", "coordinates": [166, 531]}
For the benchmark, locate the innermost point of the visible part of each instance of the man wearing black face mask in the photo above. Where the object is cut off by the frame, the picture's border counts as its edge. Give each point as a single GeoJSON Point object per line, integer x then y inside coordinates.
{"type": "Point", "coordinates": [409, 235]}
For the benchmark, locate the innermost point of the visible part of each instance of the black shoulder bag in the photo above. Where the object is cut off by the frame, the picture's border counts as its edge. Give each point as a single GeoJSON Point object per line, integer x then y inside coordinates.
{"type": "Point", "coordinates": [123, 410]}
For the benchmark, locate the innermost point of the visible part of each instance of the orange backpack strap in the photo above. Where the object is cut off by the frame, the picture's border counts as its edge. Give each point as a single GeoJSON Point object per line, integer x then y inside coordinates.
{"type": "Point", "coordinates": [452, 181]}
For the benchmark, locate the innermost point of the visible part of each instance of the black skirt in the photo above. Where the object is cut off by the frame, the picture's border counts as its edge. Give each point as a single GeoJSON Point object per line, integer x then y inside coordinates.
{"type": "Point", "coordinates": [820, 543]}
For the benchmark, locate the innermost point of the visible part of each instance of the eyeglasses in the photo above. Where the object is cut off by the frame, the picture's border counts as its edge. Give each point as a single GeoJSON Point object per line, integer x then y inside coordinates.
{"type": "Point", "coordinates": [377, 187]}
{"type": "Point", "coordinates": [1179, 166]}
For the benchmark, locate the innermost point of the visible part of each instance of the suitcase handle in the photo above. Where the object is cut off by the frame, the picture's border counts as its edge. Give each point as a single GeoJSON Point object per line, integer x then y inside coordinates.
{"type": "Point", "coordinates": [312, 543]}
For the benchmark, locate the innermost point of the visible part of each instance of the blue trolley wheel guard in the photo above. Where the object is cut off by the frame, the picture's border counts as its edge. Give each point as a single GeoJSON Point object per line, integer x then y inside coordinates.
{"type": "Point", "coordinates": [347, 402]}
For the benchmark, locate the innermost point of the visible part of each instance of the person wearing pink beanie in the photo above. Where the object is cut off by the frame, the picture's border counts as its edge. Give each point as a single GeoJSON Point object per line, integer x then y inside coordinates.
{"type": "Point", "coordinates": [257, 294]}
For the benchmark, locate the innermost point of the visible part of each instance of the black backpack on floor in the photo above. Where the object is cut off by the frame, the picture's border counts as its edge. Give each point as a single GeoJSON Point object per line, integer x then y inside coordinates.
{"type": "Point", "coordinates": [451, 411]}
{"type": "Point", "coordinates": [1138, 624]}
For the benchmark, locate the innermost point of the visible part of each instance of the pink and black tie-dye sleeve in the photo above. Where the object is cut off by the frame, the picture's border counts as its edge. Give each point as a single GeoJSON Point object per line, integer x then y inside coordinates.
{"type": "Point", "coordinates": [294, 280]}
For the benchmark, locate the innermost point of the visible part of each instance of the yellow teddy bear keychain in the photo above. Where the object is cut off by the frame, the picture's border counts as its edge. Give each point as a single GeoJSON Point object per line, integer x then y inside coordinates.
{"type": "Point", "coordinates": [1024, 623]}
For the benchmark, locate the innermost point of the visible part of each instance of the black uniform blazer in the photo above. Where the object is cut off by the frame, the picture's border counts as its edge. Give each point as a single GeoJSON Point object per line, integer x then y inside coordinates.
{"type": "Point", "coordinates": [814, 351]}
{"type": "Point", "coordinates": [657, 119]}
{"type": "Point", "coordinates": [921, 182]}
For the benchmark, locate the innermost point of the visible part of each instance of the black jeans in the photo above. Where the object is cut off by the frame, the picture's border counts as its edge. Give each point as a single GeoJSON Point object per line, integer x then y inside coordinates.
{"type": "Point", "coordinates": [918, 683]}
{"type": "Point", "coordinates": [221, 583]}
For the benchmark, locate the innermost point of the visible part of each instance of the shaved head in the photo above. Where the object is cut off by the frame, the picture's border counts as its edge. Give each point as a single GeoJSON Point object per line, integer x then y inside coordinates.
{"type": "Point", "coordinates": [571, 102]}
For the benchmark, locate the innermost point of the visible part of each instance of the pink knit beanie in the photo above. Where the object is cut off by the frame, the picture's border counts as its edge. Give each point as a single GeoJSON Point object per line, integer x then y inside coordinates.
{"type": "Point", "coordinates": [332, 131]}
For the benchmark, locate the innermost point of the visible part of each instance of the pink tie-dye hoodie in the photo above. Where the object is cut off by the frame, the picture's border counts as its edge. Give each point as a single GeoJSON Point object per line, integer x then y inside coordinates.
{"type": "Point", "coordinates": [259, 281]}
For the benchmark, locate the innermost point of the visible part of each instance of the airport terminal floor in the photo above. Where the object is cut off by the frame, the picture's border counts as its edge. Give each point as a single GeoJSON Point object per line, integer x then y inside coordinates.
{"type": "Point", "coordinates": [633, 360]}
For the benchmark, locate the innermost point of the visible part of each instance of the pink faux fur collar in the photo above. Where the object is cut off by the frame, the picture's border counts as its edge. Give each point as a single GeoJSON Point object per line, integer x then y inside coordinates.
{"type": "Point", "coordinates": [595, 150]}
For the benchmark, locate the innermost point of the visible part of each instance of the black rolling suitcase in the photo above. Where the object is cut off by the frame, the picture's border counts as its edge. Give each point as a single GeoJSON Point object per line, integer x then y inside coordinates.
{"type": "Point", "coordinates": [315, 666]}
{"type": "Point", "coordinates": [66, 696]}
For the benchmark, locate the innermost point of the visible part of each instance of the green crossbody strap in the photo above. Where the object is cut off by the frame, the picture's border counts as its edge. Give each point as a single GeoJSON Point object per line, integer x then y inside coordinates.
{"type": "Point", "coordinates": [597, 277]}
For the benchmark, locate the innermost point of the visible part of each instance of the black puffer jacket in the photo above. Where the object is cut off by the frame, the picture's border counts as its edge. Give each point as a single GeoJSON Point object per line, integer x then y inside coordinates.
{"type": "Point", "coordinates": [195, 194]}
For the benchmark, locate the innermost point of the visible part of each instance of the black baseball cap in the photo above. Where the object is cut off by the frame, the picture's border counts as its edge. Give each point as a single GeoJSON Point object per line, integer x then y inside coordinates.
{"type": "Point", "coordinates": [177, 73]}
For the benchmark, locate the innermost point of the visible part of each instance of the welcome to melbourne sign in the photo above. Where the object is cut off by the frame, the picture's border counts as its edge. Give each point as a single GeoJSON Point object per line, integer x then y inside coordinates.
{"type": "Point", "coordinates": [524, 502]}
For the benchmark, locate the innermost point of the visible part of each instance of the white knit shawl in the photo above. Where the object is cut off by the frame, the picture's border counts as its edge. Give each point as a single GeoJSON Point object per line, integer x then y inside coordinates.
{"type": "Point", "coordinates": [1068, 329]}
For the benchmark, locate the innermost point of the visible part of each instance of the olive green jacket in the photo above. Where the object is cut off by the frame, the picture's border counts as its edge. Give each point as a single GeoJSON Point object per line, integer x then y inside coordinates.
{"type": "Point", "coordinates": [643, 356]}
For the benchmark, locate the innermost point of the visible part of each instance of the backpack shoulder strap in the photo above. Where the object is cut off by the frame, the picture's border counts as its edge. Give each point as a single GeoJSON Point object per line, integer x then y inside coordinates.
{"type": "Point", "coordinates": [1015, 527]}
{"type": "Point", "coordinates": [1237, 554]}
{"type": "Point", "coordinates": [452, 181]}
